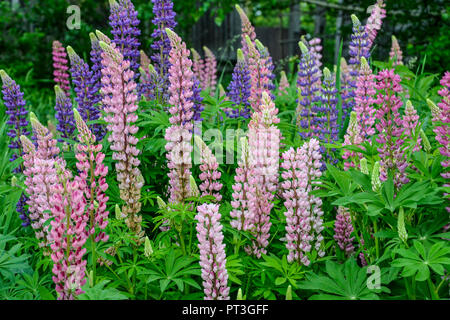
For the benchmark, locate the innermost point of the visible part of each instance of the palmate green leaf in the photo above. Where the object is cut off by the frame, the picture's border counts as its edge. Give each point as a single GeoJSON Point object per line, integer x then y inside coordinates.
{"type": "Point", "coordinates": [101, 292]}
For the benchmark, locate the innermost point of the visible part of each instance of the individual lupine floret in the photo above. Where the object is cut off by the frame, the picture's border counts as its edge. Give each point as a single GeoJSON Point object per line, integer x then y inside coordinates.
{"type": "Point", "coordinates": [179, 134]}
{"type": "Point", "coordinates": [284, 84]}
{"type": "Point", "coordinates": [390, 128]}
{"type": "Point", "coordinates": [265, 56]}
{"type": "Point", "coordinates": [209, 175]}
{"type": "Point", "coordinates": [64, 114]}
{"type": "Point", "coordinates": [304, 215]}
{"type": "Point", "coordinates": [87, 94]}
{"type": "Point", "coordinates": [60, 66]}
{"type": "Point", "coordinates": [69, 236]}
{"type": "Point", "coordinates": [124, 23]}
{"type": "Point", "coordinates": [375, 21]}
{"type": "Point", "coordinates": [239, 89]}
{"type": "Point", "coordinates": [91, 179]}
{"type": "Point", "coordinates": [212, 252]}
{"type": "Point", "coordinates": [164, 17]}
{"type": "Point", "coordinates": [308, 87]}
{"type": "Point", "coordinates": [243, 188]}
{"type": "Point", "coordinates": [396, 54]}
{"type": "Point", "coordinates": [210, 70]}
{"type": "Point", "coordinates": [120, 104]}
{"type": "Point", "coordinates": [353, 137]}
{"type": "Point", "coordinates": [411, 124]}
{"type": "Point", "coordinates": [247, 30]}
{"type": "Point", "coordinates": [365, 99]}
{"type": "Point", "coordinates": [343, 229]}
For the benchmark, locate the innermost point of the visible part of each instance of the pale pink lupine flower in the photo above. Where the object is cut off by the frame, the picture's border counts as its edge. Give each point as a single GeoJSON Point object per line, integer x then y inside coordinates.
{"type": "Point", "coordinates": [365, 99]}
{"type": "Point", "coordinates": [210, 70]}
{"type": "Point", "coordinates": [60, 66]}
{"type": "Point", "coordinates": [411, 124]}
{"type": "Point", "coordinates": [375, 20]}
{"type": "Point", "coordinates": [396, 52]}
{"type": "Point", "coordinates": [198, 67]}
{"type": "Point", "coordinates": [284, 84]}
{"type": "Point", "coordinates": [212, 252]}
{"type": "Point", "coordinates": [247, 30]}
{"type": "Point", "coordinates": [353, 137]}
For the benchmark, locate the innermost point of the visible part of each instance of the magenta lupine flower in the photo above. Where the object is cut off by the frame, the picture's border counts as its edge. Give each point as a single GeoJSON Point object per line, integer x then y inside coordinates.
{"type": "Point", "coordinates": [120, 104]}
{"type": "Point", "coordinates": [365, 99]}
{"type": "Point", "coordinates": [304, 215]}
{"type": "Point", "coordinates": [247, 30]}
{"type": "Point", "coordinates": [411, 124]}
{"type": "Point", "coordinates": [390, 127]}
{"type": "Point", "coordinates": [209, 175]}
{"type": "Point", "coordinates": [64, 114]}
{"type": "Point", "coordinates": [353, 137]}
{"type": "Point", "coordinates": [91, 179]}
{"type": "Point", "coordinates": [258, 76]}
{"type": "Point", "coordinates": [60, 66]}
{"type": "Point", "coordinates": [375, 21]}
{"type": "Point", "coordinates": [243, 189]}
{"type": "Point", "coordinates": [264, 143]}
{"type": "Point", "coordinates": [284, 84]}
{"type": "Point", "coordinates": [212, 252]}
{"type": "Point", "coordinates": [396, 54]}
{"type": "Point", "coordinates": [69, 235]}
{"type": "Point", "coordinates": [343, 229]}
{"type": "Point", "coordinates": [179, 135]}
{"type": "Point", "coordinates": [210, 70]}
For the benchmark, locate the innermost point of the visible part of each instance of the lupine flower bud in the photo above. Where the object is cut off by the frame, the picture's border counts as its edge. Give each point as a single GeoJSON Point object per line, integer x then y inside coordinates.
{"type": "Point", "coordinates": [402, 234]}
{"type": "Point", "coordinates": [353, 138]}
{"type": "Point", "coordinates": [193, 185]}
{"type": "Point", "coordinates": [376, 182]}
{"type": "Point", "coordinates": [284, 84]}
{"type": "Point", "coordinates": [363, 166]}
{"type": "Point", "coordinates": [161, 204]}
{"type": "Point", "coordinates": [148, 250]}
{"type": "Point", "coordinates": [411, 123]}
{"type": "Point", "coordinates": [289, 293]}
{"type": "Point", "coordinates": [239, 295]}
{"type": "Point", "coordinates": [118, 212]}
{"type": "Point", "coordinates": [425, 142]}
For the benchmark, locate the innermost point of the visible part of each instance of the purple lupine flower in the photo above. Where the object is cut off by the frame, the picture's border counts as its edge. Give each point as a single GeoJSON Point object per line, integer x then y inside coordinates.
{"type": "Point", "coordinates": [148, 81]}
{"type": "Point", "coordinates": [346, 91]}
{"type": "Point", "coordinates": [124, 23]}
{"type": "Point", "coordinates": [343, 229]}
{"type": "Point", "coordinates": [86, 92]}
{"type": "Point", "coordinates": [20, 209]}
{"type": "Point", "coordinates": [64, 114]}
{"type": "Point", "coordinates": [308, 78]}
{"type": "Point", "coordinates": [197, 100]}
{"type": "Point", "coordinates": [265, 55]}
{"type": "Point", "coordinates": [212, 252]}
{"type": "Point", "coordinates": [96, 60]}
{"type": "Point", "coordinates": [239, 88]}
{"type": "Point", "coordinates": [164, 18]}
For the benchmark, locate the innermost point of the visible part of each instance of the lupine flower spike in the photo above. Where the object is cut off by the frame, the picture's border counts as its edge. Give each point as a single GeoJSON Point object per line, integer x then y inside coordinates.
{"type": "Point", "coordinates": [239, 90]}
{"type": "Point", "coordinates": [365, 99]}
{"type": "Point", "coordinates": [396, 52]}
{"type": "Point", "coordinates": [411, 124]}
{"type": "Point", "coordinates": [210, 70]}
{"type": "Point", "coordinates": [353, 137]}
{"type": "Point", "coordinates": [60, 66]}
{"type": "Point", "coordinates": [375, 20]}
{"type": "Point", "coordinates": [268, 62]}
{"type": "Point", "coordinates": [343, 229]}
{"type": "Point", "coordinates": [247, 30]}
{"type": "Point", "coordinates": [64, 114]}
{"type": "Point", "coordinates": [284, 84]}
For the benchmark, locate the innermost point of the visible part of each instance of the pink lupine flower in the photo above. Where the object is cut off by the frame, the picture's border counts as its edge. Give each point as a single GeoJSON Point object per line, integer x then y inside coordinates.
{"type": "Point", "coordinates": [343, 229]}
{"type": "Point", "coordinates": [243, 188]}
{"type": "Point", "coordinates": [304, 214]}
{"type": "Point", "coordinates": [120, 104]}
{"type": "Point", "coordinates": [259, 76]}
{"type": "Point", "coordinates": [247, 30]}
{"type": "Point", "coordinates": [198, 67]}
{"type": "Point", "coordinates": [390, 127]}
{"type": "Point", "coordinates": [396, 52]}
{"type": "Point", "coordinates": [316, 49]}
{"type": "Point", "coordinates": [212, 252]}
{"type": "Point", "coordinates": [284, 84]}
{"type": "Point", "coordinates": [69, 235]}
{"type": "Point", "coordinates": [411, 124]}
{"type": "Point", "coordinates": [264, 142]}
{"type": "Point", "coordinates": [375, 21]}
{"type": "Point", "coordinates": [364, 100]}
{"type": "Point", "coordinates": [210, 70]}
{"type": "Point", "coordinates": [179, 135]}
{"type": "Point", "coordinates": [353, 137]}
{"type": "Point", "coordinates": [60, 66]}
{"type": "Point", "coordinates": [209, 175]}
{"type": "Point", "coordinates": [91, 179]}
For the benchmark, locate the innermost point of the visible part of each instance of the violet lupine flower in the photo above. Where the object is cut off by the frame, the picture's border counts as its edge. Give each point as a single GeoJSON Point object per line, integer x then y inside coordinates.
{"type": "Point", "coordinates": [284, 84]}
{"type": "Point", "coordinates": [60, 66]}
{"type": "Point", "coordinates": [259, 78]}
{"type": "Point", "coordinates": [23, 213]}
{"type": "Point", "coordinates": [209, 175]}
{"type": "Point", "coordinates": [343, 229]}
{"type": "Point", "coordinates": [69, 235]}
{"type": "Point", "coordinates": [353, 137]}
{"type": "Point", "coordinates": [265, 56]}
{"type": "Point", "coordinates": [375, 21]}
{"type": "Point", "coordinates": [91, 179]}
{"type": "Point", "coordinates": [148, 82]}
{"type": "Point", "coordinates": [17, 116]}
{"type": "Point", "coordinates": [247, 31]}
{"type": "Point", "coordinates": [307, 84]}
{"type": "Point", "coordinates": [346, 90]}
{"type": "Point", "coordinates": [396, 54]}
{"type": "Point", "coordinates": [124, 23]}
{"type": "Point", "coordinates": [239, 89]}
{"type": "Point", "coordinates": [197, 100]}
{"type": "Point", "coordinates": [178, 136]}
{"type": "Point", "coordinates": [364, 100]}
{"type": "Point", "coordinates": [411, 124]}
{"type": "Point", "coordinates": [164, 18]}
{"type": "Point", "coordinates": [64, 114]}
{"type": "Point", "coordinates": [96, 60]}
{"type": "Point", "coordinates": [212, 252]}
{"type": "Point", "coordinates": [264, 143]}
{"type": "Point", "coordinates": [87, 92]}
{"type": "Point", "coordinates": [210, 70]}
{"type": "Point", "coordinates": [119, 100]}
{"type": "Point", "coordinates": [358, 46]}
{"type": "Point", "coordinates": [243, 188]}
{"type": "Point", "coordinates": [304, 215]}
{"type": "Point", "coordinates": [390, 128]}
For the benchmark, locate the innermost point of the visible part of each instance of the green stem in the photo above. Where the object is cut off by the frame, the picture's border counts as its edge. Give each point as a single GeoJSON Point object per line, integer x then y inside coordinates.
{"type": "Point", "coordinates": [434, 295]}
{"type": "Point", "coordinates": [377, 244]}
{"type": "Point", "coordinates": [94, 260]}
